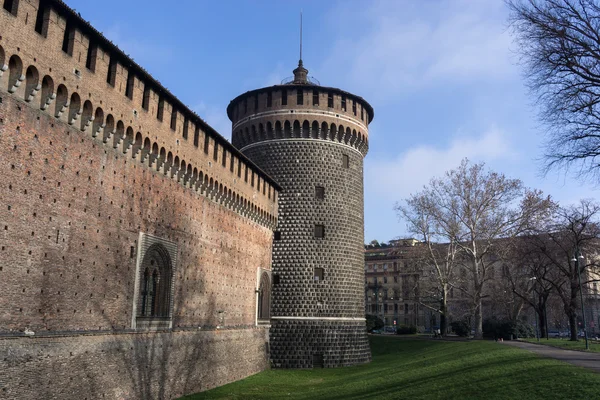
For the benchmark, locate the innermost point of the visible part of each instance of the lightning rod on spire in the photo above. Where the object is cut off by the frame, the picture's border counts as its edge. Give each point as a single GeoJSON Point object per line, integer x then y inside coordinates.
{"type": "Point", "coordinates": [300, 62]}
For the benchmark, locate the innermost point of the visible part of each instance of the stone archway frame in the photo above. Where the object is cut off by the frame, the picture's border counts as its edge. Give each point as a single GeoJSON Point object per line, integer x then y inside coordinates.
{"type": "Point", "coordinates": [145, 242]}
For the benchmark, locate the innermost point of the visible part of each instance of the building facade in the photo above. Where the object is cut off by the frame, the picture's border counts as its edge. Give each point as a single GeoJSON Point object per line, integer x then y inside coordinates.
{"type": "Point", "coordinates": [312, 140]}
{"type": "Point", "coordinates": [135, 241]}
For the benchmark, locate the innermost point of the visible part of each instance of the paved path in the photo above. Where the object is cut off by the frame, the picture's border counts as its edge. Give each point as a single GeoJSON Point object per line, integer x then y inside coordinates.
{"type": "Point", "coordinates": [579, 358]}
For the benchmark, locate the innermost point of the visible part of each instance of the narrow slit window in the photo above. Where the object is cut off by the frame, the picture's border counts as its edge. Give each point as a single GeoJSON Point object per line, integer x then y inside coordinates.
{"type": "Point", "coordinates": [319, 192]}
{"type": "Point", "coordinates": [362, 116]}
{"type": "Point", "coordinates": [319, 231]}
{"type": "Point", "coordinates": [173, 118]}
{"type": "Point", "coordinates": [216, 151]}
{"type": "Point", "coordinates": [269, 99]}
{"type": "Point", "coordinates": [186, 124]}
{"type": "Point", "coordinates": [196, 136]}
{"type": "Point", "coordinates": [42, 19]}
{"type": "Point", "coordinates": [146, 98]}
{"type": "Point", "coordinates": [239, 168]}
{"type": "Point", "coordinates": [12, 6]}
{"type": "Point", "coordinates": [277, 235]}
{"type": "Point", "coordinates": [276, 279]}
{"type": "Point", "coordinates": [161, 109]}
{"type": "Point", "coordinates": [246, 174]}
{"type": "Point", "coordinates": [330, 100]}
{"type": "Point", "coordinates": [256, 103]}
{"type": "Point", "coordinates": [315, 98]}
{"type": "Point", "coordinates": [69, 39]}
{"type": "Point", "coordinates": [319, 274]}
{"type": "Point", "coordinates": [112, 71]}
{"type": "Point", "coordinates": [345, 161]}
{"type": "Point", "coordinates": [224, 158]}
{"type": "Point", "coordinates": [92, 54]}
{"type": "Point", "coordinates": [245, 105]}
{"type": "Point", "coordinates": [130, 84]}
{"type": "Point", "coordinates": [354, 107]}
{"type": "Point", "coordinates": [231, 163]}
{"type": "Point", "coordinates": [284, 97]}
{"type": "Point", "coordinates": [299, 97]}
{"type": "Point", "coordinates": [206, 143]}
{"type": "Point", "coordinates": [344, 103]}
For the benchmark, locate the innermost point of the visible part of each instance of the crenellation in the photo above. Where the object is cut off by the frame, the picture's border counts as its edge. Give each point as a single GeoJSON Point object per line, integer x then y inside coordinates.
{"type": "Point", "coordinates": [128, 90]}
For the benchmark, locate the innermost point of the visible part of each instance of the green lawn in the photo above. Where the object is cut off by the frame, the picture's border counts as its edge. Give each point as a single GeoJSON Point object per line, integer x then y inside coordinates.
{"type": "Point", "coordinates": [567, 344]}
{"type": "Point", "coordinates": [424, 369]}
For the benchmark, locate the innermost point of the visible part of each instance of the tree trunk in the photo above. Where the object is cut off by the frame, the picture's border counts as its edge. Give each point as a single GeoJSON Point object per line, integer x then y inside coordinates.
{"type": "Point", "coordinates": [572, 311]}
{"type": "Point", "coordinates": [478, 321]}
{"type": "Point", "coordinates": [573, 326]}
{"type": "Point", "coordinates": [444, 310]}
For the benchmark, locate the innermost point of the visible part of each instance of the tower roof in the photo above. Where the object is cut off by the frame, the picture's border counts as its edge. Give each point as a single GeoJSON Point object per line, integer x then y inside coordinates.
{"type": "Point", "coordinates": [300, 74]}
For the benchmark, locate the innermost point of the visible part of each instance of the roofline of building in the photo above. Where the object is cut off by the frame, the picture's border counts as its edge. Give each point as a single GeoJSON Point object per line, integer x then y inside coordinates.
{"type": "Point", "coordinates": [84, 26]}
{"type": "Point", "coordinates": [369, 108]}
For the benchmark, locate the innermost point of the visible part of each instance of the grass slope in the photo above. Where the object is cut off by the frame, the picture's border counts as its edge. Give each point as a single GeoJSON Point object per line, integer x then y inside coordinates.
{"type": "Point", "coordinates": [567, 344]}
{"type": "Point", "coordinates": [424, 369]}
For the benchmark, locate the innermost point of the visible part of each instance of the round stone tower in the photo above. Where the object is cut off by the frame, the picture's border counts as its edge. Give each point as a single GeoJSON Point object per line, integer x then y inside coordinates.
{"type": "Point", "coordinates": [312, 140]}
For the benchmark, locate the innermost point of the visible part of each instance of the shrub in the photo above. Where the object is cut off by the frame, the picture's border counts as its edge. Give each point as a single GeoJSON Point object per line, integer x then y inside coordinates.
{"type": "Point", "coordinates": [406, 330]}
{"type": "Point", "coordinates": [506, 329]}
{"type": "Point", "coordinates": [461, 328]}
{"type": "Point", "coordinates": [373, 322]}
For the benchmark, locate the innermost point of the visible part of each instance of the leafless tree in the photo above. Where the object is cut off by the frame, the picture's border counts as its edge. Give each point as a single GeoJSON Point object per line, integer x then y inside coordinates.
{"type": "Point", "coordinates": [437, 253]}
{"type": "Point", "coordinates": [531, 276]}
{"type": "Point", "coordinates": [571, 230]}
{"type": "Point", "coordinates": [470, 208]}
{"type": "Point", "coordinates": [559, 45]}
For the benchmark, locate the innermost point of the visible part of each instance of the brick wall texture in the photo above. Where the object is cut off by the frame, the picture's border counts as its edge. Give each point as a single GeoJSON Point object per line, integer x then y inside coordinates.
{"type": "Point", "coordinates": [77, 187]}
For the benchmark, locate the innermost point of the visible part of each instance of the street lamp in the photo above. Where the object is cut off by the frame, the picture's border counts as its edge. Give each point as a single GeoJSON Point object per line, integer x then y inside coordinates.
{"type": "Point", "coordinates": [576, 259]}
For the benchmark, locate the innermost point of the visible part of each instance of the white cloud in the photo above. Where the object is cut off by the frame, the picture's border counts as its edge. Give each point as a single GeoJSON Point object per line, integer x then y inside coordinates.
{"type": "Point", "coordinates": [395, 179]}
{"type": "Point", "coordinates": [408, 44]}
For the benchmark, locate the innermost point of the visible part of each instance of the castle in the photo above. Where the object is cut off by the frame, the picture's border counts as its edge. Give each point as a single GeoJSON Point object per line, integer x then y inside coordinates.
{"type": "Point", "coordinates": [142, 255]}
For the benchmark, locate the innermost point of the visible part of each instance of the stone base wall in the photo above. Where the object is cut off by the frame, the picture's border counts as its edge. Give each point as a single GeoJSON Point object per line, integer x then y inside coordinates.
{"type": "Point", "coordinates": [308, 343]}
{"type": "Point", "coordinates": [158, 365]}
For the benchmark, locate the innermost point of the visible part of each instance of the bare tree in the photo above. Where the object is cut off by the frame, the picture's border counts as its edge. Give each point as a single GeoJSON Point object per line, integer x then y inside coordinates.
{"type": "Point", "coordinates": [531, 276]}
{"type": "Point", "coordinates": [470, 208]}
{"type": "Point", "coordinates": [559, 44]}
{"type": "Point", "coordinates": [571, 230]}
{"type": "Point", "coordinates": [438, 252]}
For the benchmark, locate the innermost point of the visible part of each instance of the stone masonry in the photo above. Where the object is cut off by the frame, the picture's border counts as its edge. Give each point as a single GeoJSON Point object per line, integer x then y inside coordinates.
{"type": "Point", "coordinates": [312, 140]}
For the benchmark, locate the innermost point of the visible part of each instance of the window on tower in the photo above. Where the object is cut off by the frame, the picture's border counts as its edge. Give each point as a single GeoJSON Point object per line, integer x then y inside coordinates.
{"type": "Point", "coordinates": [344, 103]}
{"type": "Point", "coordinates": [319, 231]}
{"type": "Point", "coordinates": [319, 192]}
{"type": "Point", "coordinates": [284, 97]}
{"type": "Point", "coordinates": [319, 274]}
{"type": "Point", "coordinates": [269, 99]}
{"type": "Point", "coordinates": [315, 98]}
{"type": "Point", "coordinates": [330, 100]}
{"type": "Point", "coordinates": [345, 161]}
{"type": "Point", "coordinates": [299, 97]}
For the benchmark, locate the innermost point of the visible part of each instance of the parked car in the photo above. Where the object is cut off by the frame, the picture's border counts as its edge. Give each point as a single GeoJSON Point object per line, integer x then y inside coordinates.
{"type": "Point", "coordinates": [389, 329]}
{"type": "Point", "coordinates": [377, 331]}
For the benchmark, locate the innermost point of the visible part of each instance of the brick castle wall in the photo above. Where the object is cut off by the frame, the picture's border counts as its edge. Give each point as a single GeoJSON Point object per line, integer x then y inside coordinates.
{"type": "Point", "coordinates": [86, 169]}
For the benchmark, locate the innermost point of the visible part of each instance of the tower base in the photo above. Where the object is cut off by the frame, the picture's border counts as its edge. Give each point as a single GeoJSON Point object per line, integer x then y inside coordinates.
{"type": "Point", "coordinates": [318, 343]}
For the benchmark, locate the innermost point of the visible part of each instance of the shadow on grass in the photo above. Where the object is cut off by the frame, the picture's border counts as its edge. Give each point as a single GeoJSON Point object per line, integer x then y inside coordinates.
{"type": "Point", "coordinates": [425, 369]}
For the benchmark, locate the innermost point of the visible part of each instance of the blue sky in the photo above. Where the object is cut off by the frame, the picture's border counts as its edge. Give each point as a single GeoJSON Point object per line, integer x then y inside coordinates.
{"type": "Point", "coordinates": [442, 76]}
